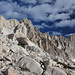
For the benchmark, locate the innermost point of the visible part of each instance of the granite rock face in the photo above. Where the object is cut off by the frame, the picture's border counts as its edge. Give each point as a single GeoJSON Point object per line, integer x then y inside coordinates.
{"type": "Point", "coordinates": [24, 50]}
{"type": "Point", "coordinates": [54, 71]}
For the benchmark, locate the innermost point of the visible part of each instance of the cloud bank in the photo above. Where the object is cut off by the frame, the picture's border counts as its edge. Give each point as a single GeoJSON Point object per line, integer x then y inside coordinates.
{"type": "Point", "coordinates": [57, 11]}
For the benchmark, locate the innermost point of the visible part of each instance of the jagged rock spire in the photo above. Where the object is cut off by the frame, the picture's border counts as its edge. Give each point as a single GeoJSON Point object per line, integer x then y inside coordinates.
{"type": "Point", "coordinates": [1, 20]}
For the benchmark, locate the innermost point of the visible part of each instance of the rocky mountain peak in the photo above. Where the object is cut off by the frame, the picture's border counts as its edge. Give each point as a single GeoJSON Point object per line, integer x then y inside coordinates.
{"type": "Point", "coordinates": [1, 17]}
{"type": "Point", "coordinates": [24, 50]}
{"type": "Point", "coordinates": [1, 20]}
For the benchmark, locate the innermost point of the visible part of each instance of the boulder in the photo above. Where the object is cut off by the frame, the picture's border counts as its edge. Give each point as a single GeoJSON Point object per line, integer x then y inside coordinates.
{"type": "Point", "coordinates": [30, 64]}
{"type": "Point", "coordinates": [20, 30]}
{"type": "Point", "coordinates": [3, 49]}
{"type": "Point", "coordinates": [12, 72]}
{"type": "Point", "coordinates": [18, 49]}
{"type": "Point", "coordinates": [54, 71]}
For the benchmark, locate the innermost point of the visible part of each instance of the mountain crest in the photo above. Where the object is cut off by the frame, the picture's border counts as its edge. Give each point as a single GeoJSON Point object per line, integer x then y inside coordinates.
{"type": "Point", "coordinates": [24, 50]}
{"type": "Point", "coordinates": [1, 17]}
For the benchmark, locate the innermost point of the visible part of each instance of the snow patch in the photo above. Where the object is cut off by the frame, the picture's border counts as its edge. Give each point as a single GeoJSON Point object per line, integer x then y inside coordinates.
{"type": "Point", "coordinates": [59, 46]}
{"type": "Point", "coordinates": [73, 60]}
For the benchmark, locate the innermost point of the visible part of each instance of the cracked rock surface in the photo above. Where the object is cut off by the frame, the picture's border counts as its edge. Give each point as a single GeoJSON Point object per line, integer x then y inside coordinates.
{"type": "Point", "coordinates": [24, 50]}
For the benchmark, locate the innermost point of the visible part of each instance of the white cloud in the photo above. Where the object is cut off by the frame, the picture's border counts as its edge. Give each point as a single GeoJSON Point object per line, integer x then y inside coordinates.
{"type": "Point", "coordinates": [39, 26]}
{"type": "Point", "coordinates": [42, 26]}
{"type": "Point", "coordinates": [11, 10]}
{"type": "Point", "coordinates": [56, 33]}
{"type": "Point", "coordinates": [70, 34]}
{"type": "Point", "coordinates": [64, 4]}
{"type": "Point", "coordinates": [43, 1]}
{"type": "Point", "coordinates": [42, 12]}
{"type": "Point", "coordinates": [62, 16]}
{"type": "Point", "coordinates": [29, 1]}
{"type": "Point", "coordinates": [38, 13]}
{"type": "Point", "coordinates": [64, 23]}
{"type": "Point", "coordinates": [5, 6]}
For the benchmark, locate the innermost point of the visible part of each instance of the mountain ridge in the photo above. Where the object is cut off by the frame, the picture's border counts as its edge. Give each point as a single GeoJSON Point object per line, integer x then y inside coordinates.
{"type": "Point", "coordinates": [36, 53]}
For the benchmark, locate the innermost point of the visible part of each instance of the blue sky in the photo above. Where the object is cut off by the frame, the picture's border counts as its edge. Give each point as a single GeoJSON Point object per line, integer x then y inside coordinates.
{"type": "Point", "coordinates": [54, 16]}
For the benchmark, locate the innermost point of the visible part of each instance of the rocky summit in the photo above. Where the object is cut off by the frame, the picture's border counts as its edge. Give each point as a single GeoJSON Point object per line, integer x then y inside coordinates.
{"type": "Point", "coordinates": [24, 50]}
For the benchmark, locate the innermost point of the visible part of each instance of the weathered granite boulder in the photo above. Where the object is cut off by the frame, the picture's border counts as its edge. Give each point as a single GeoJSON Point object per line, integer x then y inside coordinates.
{"type": "Point", "coordinates": [12, 72]}
{"type": "Point", "coordinates": [54, 71]}
{"type": "Point", "coordinates": [30, 64]}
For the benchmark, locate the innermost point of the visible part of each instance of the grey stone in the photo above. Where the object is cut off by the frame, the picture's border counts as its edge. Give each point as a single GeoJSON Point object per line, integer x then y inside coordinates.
{"type": "Point", "coordinates": [54, 71]}
{"type": "Point", "coordinates": [32, 65]}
